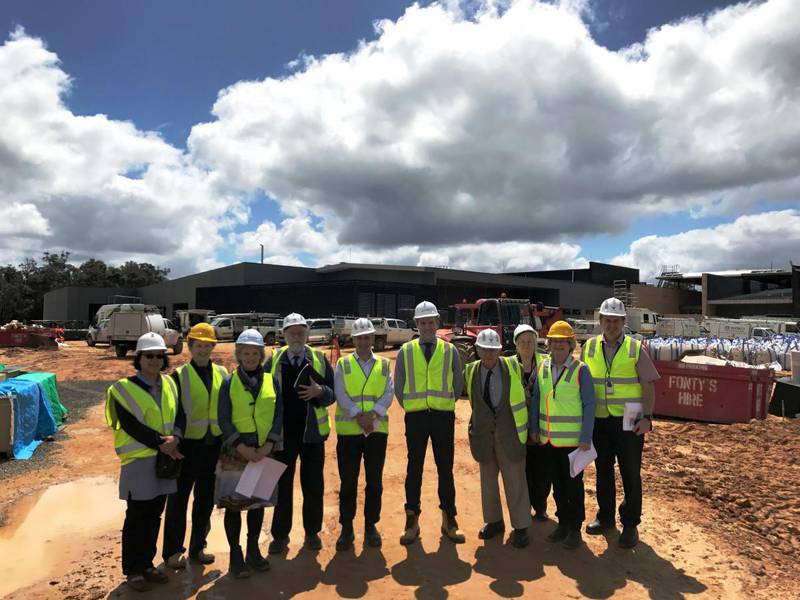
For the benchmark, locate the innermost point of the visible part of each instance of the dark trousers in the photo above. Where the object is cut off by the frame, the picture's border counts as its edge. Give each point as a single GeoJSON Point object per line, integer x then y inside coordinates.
{"type": "Point", "coordinates": [567, 491]}
{"type": "Point", "coordinates": [611, 443]}
{"type": "Point", "coordinates": [233, 526]}
{"type": "Point", "coordinates": [312, 482]}
{"type": "Point", "coordinates": [540, 479]}
{"type": "Point", "coordinates": [439, 427]}
{"type": "Point", "coordinates": [349, 450]}
{"type": "Point", "coordinates": [140, 534]}
{"type": "Point", "coordinates": [197, 471]}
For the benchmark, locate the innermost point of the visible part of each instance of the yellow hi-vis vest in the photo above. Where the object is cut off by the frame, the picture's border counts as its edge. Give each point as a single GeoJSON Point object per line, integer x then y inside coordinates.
{"type": "Point", "coordinates": [251, 415]}
{"type": "Point", "coordinates": [516, 395]}
{"type": "Point", "coordinates": [538, 357]}
{"type": "Point", "coordinates": [141, 405]}
{"type": "Point", "coordinates": [201, 408]}
{"type": "Point", "coordinates": [622, 374]}
{"type": "Point", "coordinates": [428, 385]}
{"type": "Point", "coordinates": [318, 364]}
{"type": "Point", "coordinates": [364, 391]}
{"type": "Point", "coordinates": [560, 407]}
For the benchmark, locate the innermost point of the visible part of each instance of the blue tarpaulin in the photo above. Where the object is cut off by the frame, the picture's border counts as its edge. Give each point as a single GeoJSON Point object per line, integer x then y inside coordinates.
{"type": "Point", "coordinates": [33, 419]}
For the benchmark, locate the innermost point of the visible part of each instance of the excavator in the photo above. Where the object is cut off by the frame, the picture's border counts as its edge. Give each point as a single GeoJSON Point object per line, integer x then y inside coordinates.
{"type": "Point", "coordinates": [501, 314]}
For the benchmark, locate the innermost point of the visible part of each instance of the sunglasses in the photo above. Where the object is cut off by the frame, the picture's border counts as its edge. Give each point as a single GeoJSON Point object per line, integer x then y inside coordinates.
{"type": "Point", "coordinates": [152, 355]}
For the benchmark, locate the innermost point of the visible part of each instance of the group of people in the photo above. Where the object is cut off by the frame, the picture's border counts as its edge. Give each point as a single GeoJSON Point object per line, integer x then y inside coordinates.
{"type": "Point", "coordinates": [528, 412]}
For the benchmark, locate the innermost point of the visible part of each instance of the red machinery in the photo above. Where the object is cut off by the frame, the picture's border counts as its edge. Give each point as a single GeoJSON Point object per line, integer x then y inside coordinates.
{"type": "Point", "coordinates": [501, 314]}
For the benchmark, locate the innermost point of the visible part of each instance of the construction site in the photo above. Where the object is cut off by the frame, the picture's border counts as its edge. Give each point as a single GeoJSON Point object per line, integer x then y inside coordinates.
{"type": "Point", "coordinates": [720, 473]}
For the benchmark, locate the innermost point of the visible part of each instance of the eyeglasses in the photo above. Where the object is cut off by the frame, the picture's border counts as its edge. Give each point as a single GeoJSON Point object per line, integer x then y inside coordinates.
{"type": "Point", "coordinates": [152, 355]}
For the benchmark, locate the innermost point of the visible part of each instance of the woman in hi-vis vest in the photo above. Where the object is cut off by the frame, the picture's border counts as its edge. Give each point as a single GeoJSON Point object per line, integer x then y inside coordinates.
{"type": "Point", "coordinates": [147, 421]}
{"type": "Point", "coordinates": [251, 419]}
{"type": "Point", "coordinates": [537, 471]}
{"type": "Point", "coordinates": [562, 420]}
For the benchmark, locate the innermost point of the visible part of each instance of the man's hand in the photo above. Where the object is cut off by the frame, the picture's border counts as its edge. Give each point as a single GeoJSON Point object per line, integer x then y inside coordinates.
{"type": "Point", "coordinates": [366, 421]}
{"type": "Point", "coordinates": [307, 392]}
{"type": "Point", "coordinates": [266, 449]}
{"type": "Point", "coordinates": [248, 453]}
{"type": "Point", "coordinates": [169, 446]}
{"type": "Point", "coordinates": [584, 446]}
{"type": "Point", "coordinates": [642, 426]}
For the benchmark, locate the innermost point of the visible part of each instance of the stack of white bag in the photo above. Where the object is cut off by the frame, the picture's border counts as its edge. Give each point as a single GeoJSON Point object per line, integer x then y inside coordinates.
{"type": "Point", "coordinates": [773, 353]}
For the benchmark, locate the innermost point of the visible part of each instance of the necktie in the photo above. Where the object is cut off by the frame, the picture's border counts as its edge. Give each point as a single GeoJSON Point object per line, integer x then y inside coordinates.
{"type": "Point", "coordinates": [296, 362]}
{"type": "Point", "coordinates": [428, 350]}
{"type": "Point", "coordinates": [487, 394]}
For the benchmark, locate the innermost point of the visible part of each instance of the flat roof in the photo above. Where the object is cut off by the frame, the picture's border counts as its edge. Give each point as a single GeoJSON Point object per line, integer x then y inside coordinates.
{"type": "Point", "coordinates": [779, 296]}
{"type": "Point", "coordinates": [697, 277]}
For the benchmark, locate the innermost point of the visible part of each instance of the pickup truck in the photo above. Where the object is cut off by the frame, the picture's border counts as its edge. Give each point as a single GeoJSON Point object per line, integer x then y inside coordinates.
{"type": "Point", "coordinates": [392, 333]}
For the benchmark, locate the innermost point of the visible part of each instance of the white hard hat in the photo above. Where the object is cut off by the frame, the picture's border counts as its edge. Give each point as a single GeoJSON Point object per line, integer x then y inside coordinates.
{"type": "Point", "coordinates": [250, 337]}
{"type": "Point", "coordinates": [150, 341]}
{"type": "Point", "coordinates": [294, 319]}
{"type": "Point", "coordinates": [522, 329]}
{"type": "Point", "coordinates": [612, 307]}
{"type": "Point", "coordinates": [489, 339]}
{"type": "Point", "coordinates": [426, 309]}
{"type": "Point", "coordinates": [361, 326]}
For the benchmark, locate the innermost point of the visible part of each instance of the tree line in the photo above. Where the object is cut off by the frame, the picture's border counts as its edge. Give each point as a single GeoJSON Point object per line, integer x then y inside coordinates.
{"type": "Point", "coordinates": [22, 287]}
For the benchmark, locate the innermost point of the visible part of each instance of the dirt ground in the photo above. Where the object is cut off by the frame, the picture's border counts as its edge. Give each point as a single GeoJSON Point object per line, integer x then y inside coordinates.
{"type": "Point", "coordinates": [721, 518]}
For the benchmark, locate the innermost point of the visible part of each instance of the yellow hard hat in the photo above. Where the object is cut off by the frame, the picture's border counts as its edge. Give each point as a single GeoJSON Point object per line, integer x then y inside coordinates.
{"type": "Point", "coordinates": [203, 332]}
{"type": "Point", "coordinates": [560, 330]}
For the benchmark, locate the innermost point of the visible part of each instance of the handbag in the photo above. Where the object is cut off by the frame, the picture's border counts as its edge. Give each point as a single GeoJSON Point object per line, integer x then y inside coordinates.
{"type": "Point", "coordinates": [167, 467]}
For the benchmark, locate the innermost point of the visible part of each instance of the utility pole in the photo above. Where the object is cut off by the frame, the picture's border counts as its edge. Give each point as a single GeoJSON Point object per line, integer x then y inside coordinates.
{"type": "Point", "coordinates": [262, 253]}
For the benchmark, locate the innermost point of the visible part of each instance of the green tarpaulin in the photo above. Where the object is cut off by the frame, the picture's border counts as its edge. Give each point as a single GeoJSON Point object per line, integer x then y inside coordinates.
{"type": "Point", "coordinates": [48, 383]}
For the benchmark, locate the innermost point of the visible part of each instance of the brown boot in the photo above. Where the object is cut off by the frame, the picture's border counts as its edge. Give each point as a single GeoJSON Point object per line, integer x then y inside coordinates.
{"type": "Point", "coordinates": [451, 530]}
{"type": "Point", "coordinates": [411, 532]}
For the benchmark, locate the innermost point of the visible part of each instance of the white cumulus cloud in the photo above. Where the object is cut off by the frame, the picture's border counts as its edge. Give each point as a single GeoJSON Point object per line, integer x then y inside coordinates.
{"type": "Point", "coordinates": [93, 185]}
{"type": "Point", "coordinates": [752, 241]}
{"type": "Point", "coordinates": [511, 124]}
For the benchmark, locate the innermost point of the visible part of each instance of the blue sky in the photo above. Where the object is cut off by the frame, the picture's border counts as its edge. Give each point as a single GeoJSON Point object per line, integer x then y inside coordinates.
{"type": "Point", "coordinates": [161, 65]}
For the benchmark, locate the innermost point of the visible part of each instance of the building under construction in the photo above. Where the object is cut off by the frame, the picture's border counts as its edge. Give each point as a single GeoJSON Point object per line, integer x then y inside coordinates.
{"type": "Point", "coordinates": [348, 289]}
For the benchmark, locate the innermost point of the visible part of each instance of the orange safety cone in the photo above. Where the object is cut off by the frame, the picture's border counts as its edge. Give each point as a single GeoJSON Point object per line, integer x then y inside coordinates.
{"type": "Point", "coordinates": [336, 352]}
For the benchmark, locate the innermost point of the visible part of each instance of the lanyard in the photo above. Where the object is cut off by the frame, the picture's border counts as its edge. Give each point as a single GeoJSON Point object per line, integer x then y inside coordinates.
{"type": "Point", "coordinates": [366, 378]}
{"type": "Point", "coordinates": [560, 377]}
{"type": "Point", "coordinates": [605, 360]}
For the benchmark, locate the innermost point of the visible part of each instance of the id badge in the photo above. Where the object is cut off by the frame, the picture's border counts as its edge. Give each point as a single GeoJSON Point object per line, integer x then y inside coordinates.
{"type": "Point", "coordinates": [609, 387]}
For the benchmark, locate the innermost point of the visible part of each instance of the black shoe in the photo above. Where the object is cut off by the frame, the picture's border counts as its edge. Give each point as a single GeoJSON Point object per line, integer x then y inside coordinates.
{"type": "Point", "coordinates": [629, 537]}
{"type": "Point", "coordinates": [255, 560]}
{"type": "Point", "coordinates": [519, 538]}
{"type": "Point", "coordinates": [138, 583]}
{"type": "Point", "coordinates": [559, 534]}
{"type": "Point", "coordinates": [345, 541]}
{"type": "Point", "coordinates": [237, 567]}
{"type": "Point", "coordinates": [279, 545]}
{"type": "Point", "coordinates": [541, 516]}
{"type": "Point", "coordinates": [153, 575]}
{"type": "Point", "coordinates": [490, 530]}
{"type": "Point", "coordinates": [313, 542]}
{"type": "Point", "coordinates": [372, 536]}
{"type": "Point", "coordinates": [573, 539]}
{"type": "Point", "coordinates": [202, 557]}
{"type": "Point", "coordinates": [598, 527]}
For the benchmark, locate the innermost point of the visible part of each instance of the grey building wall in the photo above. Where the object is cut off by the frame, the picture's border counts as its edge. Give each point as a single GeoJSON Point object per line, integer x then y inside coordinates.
{"type": "Point", "coordinates": [79, 303]}
{"type": "Point", "coordinates": [181, 293]}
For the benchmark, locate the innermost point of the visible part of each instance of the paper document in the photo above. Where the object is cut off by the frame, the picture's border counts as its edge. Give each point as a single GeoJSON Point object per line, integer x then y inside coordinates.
{"type": "Point", "coordinates": [633, 412]}
{"type": "Point", "coordinates": [580, 459]}
{"type": "Point", "coordinates": [259, 479]}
